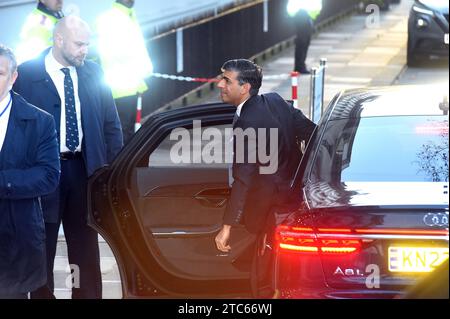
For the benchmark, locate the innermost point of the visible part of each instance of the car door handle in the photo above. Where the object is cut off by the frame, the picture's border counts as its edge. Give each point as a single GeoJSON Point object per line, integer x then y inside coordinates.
{"type": "Point", "coordinates": [214, 197]}
{"type": "Point", "coordinates": [211, 201]}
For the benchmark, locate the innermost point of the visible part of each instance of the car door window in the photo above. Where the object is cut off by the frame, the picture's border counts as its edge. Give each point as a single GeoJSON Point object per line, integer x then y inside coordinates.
{"type": "Point", "coordinates": [209, 147]}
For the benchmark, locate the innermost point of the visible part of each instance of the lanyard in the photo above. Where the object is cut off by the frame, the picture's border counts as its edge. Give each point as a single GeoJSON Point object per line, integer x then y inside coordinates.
{"type": "Point", "coordinates": [7, 106]}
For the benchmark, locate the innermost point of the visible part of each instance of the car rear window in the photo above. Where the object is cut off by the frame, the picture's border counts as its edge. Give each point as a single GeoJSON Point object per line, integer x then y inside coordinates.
{"type": "Point", "coordinates": [384, 149]}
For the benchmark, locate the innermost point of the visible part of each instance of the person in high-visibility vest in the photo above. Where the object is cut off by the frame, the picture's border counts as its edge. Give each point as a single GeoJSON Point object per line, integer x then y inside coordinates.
{"type": "Point", "coordinates": [125, 60]}
{"type": "Point", "coordinates": [37, 32]}
{"type": "Point", "coordinates": [304, 12]}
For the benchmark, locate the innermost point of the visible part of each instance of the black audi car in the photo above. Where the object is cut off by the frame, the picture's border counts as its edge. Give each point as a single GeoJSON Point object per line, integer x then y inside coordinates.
{"type": "Point", "coordinates": [427, 30]}
{"type": "Point", "coordinates": [368, 218]}
{"type": "Point", "coordinates": [374, 187]}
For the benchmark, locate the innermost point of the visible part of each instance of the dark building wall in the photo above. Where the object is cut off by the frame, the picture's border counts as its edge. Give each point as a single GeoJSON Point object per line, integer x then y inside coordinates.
{"type": "Point", "coordinates": [238, 34]}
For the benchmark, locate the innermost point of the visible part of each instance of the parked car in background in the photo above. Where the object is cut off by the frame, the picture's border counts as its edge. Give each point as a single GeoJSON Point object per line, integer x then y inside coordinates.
{"type": "Point", "coordinates": [428, 32]}
{"type": "Point", "coordinates": [368, 215]}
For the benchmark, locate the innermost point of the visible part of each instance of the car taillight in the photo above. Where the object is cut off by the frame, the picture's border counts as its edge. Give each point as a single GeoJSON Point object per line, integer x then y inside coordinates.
{"type": "Point", "coordinates": [336, 241]}
{"type": "Point", "coordinates": [324, 241]}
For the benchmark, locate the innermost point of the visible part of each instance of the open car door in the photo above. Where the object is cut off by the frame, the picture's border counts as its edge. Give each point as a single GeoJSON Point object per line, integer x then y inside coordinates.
{"type": "Point", "coordinates": [160, 217]}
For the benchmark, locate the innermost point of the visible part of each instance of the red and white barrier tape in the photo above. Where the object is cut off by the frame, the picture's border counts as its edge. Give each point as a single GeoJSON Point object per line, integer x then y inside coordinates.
{"type": "Point", "coordinates": [209, 80]}
{"type": "Point", "coordinates": [183, 78]}
{"type": "Point", "coordinates": [276, 77]}
{"type": "Point", "coordinates": [294, 76]}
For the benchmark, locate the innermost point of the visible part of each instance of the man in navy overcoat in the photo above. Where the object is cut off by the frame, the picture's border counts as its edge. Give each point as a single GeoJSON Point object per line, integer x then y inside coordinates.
{"type": "Point", "coordinates": [29, 168]}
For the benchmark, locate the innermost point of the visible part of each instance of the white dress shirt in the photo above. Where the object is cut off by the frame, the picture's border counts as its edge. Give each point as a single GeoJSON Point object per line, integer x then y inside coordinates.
{"type": "Point", "coordinates": [53, 68]}
{"type": "Point", "coordinates": [4, 119]}
{"type": "Point", "coordinates": [239, 108]}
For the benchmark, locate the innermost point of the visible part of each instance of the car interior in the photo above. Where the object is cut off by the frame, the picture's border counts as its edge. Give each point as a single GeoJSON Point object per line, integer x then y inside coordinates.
{"type": "Point", "coordinates": [180, 207]}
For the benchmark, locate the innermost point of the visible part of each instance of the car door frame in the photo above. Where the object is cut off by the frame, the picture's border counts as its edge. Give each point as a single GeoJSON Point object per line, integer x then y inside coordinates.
{"type": "Point", "coordinates": [141, 272]}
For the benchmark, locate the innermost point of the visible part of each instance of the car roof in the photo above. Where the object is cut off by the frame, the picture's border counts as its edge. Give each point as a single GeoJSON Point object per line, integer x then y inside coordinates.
{"type": "Point", "coordinates": [391, 101]}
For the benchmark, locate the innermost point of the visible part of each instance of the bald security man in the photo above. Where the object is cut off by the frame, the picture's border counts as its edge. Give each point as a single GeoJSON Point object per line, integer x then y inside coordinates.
{"type": "Point", "coordinates": [61, 82]}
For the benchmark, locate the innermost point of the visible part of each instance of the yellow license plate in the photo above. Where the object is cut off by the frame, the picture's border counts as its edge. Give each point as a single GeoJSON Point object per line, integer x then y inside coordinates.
{"type": "Point", "coordinates": [416, 259]}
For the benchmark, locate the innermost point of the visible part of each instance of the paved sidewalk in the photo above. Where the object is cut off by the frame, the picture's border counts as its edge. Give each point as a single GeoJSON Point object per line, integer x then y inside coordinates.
{"type": "Point", "coordinates": [110, 273]}
{"type": "Point", "coordinates": [358, 56]}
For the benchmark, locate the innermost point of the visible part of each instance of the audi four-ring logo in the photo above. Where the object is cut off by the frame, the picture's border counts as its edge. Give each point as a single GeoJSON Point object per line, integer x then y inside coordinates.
{"type": "Point", "coordinates": [436, 219]}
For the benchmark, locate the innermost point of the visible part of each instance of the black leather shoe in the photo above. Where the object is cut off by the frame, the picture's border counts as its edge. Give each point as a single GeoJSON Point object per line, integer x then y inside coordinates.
{"type": "Point", "coordinates": [304, 71]}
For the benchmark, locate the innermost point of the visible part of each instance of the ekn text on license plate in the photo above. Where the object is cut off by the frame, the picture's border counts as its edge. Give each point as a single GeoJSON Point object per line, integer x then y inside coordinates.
{"type": "Point", "coordinates": [416, 259]}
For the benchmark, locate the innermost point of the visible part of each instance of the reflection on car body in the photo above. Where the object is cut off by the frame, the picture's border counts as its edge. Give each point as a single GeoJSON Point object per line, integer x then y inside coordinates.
{"type": "Point", "coordinates": [368, 217]}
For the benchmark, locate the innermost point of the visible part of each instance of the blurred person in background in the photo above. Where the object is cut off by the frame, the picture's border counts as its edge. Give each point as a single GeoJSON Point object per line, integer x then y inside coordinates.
{"type": "Point", "coordinates": [125, 60]}
{"type": "Point", "coordinates": [304, 13]}
{"type": "Point", "coordinates": [37, 32]}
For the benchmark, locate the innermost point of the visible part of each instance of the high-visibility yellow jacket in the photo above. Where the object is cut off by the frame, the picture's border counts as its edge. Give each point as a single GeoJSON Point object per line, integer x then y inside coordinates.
{"type": "Point", "coordinates": [313, 7]}
{"type": "Point", "coordinates": [122, 50]}
{"type": "Point", "coordinates": [36, 35]}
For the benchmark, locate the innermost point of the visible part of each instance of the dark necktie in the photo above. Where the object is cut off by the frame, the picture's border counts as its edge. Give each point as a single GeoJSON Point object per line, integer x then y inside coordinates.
{"type": "Point", "coordinates": [235, 118]}
{"type": "Point", "coordinates": [72, 139]}
{"type": "Point", "coordinates": [230, 166]}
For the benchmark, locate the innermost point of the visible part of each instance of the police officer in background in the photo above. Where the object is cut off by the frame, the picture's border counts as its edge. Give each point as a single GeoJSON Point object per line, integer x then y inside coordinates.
{"type": "Point", "coordinates": [304, 12]}
{"type": "Point", "coordinates": [125, 60]}
{"type": "Point", "coordinates": [37, 32]}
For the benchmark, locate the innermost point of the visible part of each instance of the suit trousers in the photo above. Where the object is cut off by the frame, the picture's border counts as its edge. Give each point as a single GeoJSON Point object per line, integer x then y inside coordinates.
{"type": "Point", "coordinates": [261, 276]}
{"type": "Point", "coordinates": [82, 241]}
{"type": "Point", "coordinates": [302, 43]}
{"type": "Point", "coordinates": [262, 271]}
{"type": "Point", "coordinates": [126, 108]}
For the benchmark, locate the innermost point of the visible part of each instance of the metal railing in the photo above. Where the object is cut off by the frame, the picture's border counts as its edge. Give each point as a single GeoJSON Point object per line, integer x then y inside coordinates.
{"type": "Point", "coordinates": [317, 91]}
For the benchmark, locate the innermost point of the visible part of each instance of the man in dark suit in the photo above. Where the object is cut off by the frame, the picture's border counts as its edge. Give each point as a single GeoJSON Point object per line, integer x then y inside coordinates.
{"type": "Point", "coordinates": [61, 82]}
{"type": "Point", "coordinates": [257, 186]}
{"type": "Point", "coordinates": [29, 168]}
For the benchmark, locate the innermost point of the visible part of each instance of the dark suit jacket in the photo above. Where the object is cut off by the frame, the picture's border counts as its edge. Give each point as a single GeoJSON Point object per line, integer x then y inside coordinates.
{"type": "Point", "coordinates": [29, 168]}
{"type": "Point", "coordinates": [102, 134]}
{"type": "Point", "coordinates": [254, 193]}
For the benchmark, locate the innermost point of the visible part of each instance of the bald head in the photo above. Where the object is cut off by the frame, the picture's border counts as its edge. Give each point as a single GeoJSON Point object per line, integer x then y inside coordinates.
{"type": "Point", "coordinates": [71, 38]}
{"type": "Point", "coordinates": [71, 24]}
